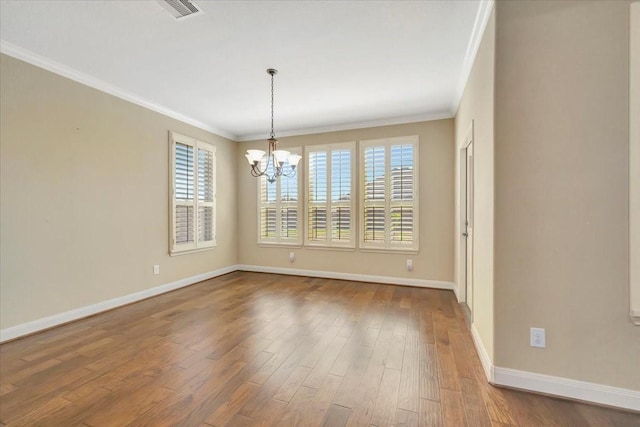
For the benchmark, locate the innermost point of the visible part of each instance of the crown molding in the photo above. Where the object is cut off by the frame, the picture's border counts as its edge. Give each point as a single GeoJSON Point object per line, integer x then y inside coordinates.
{"type": "Point", "coordinates": [480, 24]}
{"type": "Point", "coordinates": [87, 80]}
{"type": "Point", "coordinates": [416, 118]}
{"type": "Point", "coordinates": [83, 78]}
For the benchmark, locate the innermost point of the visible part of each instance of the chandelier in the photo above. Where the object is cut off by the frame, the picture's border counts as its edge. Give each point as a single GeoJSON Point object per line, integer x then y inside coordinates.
{"type": "Point", "coordinates": [277, 158]}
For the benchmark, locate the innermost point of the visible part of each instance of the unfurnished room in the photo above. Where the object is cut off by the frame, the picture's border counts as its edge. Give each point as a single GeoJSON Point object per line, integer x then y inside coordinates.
{"type": "Point", "coordinates": [320, 213]}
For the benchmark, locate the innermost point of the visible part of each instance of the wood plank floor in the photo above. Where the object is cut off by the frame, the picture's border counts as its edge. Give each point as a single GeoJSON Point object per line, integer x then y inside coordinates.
{"type": "Point", "coordinates": [260, 349]}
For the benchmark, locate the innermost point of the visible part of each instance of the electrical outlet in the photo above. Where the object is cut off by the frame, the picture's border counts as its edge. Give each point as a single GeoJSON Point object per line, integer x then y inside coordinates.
{"type": "Point", "coordinates": [292, 256]}
{"type": "Point", "coordinates": [156, 269]}
{"type": "Point", "coordinates": [409, 265]}
{"type": "Point", "coordinates": [538, 338]}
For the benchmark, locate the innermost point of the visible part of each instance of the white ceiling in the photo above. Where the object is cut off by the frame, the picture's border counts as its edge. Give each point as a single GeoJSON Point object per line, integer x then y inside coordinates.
{"type": "Point", "coordinates": [342, 64]}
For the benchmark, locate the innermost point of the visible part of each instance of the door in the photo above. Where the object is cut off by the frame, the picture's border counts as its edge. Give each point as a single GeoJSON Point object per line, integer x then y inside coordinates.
{"type": "Point", "coordinates": [468, 233]}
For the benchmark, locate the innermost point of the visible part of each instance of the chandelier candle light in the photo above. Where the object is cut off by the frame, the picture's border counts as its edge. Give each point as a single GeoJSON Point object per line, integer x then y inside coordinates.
{"type": "Point", "coordinates": [276, 157]}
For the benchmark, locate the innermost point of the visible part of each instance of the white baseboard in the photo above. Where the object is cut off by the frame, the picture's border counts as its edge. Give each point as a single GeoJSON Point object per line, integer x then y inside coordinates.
{"type": "Point", "coordinates": [555, 386]}
{"type": "Point", "coordinates": [564, 387]}
{"type": "Point", "coordinates": [487, 365]}
{"type": "Point", "coordinates": [635, 317]}
{"type": "Point", "coordinates": [349, 276]}
{"type": "Point", "coordinates": [529, 381]}
{"type": "Point", "coordinates": [89, 310]}
{"type": "Point", "coordinates": [456, 291]}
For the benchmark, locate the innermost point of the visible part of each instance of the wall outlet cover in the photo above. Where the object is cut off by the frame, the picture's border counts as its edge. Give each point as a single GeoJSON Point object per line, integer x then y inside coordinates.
{"type": "Point", "coordinates": [538, 338]}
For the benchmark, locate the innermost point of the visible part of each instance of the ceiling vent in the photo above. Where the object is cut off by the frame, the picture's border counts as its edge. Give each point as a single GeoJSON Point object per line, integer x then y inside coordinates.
{"type": "Point", "coordinates": [180, 8]}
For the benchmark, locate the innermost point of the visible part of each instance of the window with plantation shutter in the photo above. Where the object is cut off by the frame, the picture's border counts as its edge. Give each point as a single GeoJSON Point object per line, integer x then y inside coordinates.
{"type": "Point", "coordinates": [279, 207]}
{"type": "Point", "coordinates": [192, 189]}
{"type": "Point", "coordinates": [389, 204]}
{"type": "Point", "coordinates": [330, 195]}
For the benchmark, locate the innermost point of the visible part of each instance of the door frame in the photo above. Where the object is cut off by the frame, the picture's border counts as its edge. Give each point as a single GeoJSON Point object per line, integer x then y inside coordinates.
{"type": "Point", "coordinates": [462, 214]}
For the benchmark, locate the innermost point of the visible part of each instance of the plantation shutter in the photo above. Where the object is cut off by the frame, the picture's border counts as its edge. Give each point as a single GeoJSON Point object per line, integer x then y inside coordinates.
{"type": "Point", "coordinates": [278, 206]}
{"type": "Point", "coordinates": [317, 200]}
{"type": "Point", "coordinates": [374, 194]}
{"type": "Point", "coordinates": [389, 200]}
{"type": "Point", "coordinates": [193, 189]}
{"type": "Point", "coordinates": [268, 204]}
{"type": "Point", "coordinates": [329, 195]}
{"type": "Point", "coordinates": [288, 206]}
{"type": "Point", "coordinates": [401, 204]}
{"type": "Point", "coordinates": [341, 188]}
{"type": "Point", "coordinates": [206, 195]}
{"type": "Point", "coordinates": [184, 193]}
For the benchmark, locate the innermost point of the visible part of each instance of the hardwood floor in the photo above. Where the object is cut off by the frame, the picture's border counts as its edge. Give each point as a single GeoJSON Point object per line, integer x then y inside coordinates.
{"type": "Point", "coordinates": [259, 349]}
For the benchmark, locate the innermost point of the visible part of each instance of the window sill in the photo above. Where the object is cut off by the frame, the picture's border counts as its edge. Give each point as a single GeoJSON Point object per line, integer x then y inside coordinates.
{"type": "Point", "coordinates": [279, 245]}
{"type": "Point", "coordinates": [191, 251]}
{"type": "Point", "coordinates": [330, 248]}
{"type": "Point", "coordinates": [390, 250]}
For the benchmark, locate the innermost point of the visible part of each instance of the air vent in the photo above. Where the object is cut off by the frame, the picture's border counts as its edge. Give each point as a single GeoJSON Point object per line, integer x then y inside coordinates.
{"type": "Point", "coordinates": [180, 8]}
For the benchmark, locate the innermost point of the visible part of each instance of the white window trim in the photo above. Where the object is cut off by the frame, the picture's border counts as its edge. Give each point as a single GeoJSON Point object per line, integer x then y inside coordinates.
{"type": "Point", "coordinates": [196, 245]}
{"type": "Point", "coordinates": [280, 241]}
{"type": "Point", "coordinates": [387, 245]}
{"type": "Point", "coordinates": [329, 243]}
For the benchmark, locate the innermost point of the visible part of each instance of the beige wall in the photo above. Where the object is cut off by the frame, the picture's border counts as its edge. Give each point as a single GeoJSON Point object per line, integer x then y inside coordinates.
{"type": "Point", "coordinates": [84, 201]}
{"type": "Point", "coordinates": [84, 196]}
{"type": "Point", "coordinates": [477, 106]}
{"type": "Point", "coordinates": [634, 162]}
{"type": "Point", "coordinates": [435, 258]}
{"type": "Point", "coordinates": [561, 194]}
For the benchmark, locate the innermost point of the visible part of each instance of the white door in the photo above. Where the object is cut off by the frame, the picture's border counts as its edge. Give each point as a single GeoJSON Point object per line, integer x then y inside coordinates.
{"type": "Point", "coordinates": [468, 233]}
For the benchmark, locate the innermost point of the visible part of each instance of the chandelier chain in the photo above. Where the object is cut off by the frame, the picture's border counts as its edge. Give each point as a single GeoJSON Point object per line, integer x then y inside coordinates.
{"type": "Point", "coordinates": [272, 132]}
{"type": "Point", "coordinates": [277, 164]}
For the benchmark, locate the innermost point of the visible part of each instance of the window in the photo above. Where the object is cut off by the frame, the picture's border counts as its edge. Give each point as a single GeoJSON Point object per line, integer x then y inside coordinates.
{"type": "Point", "coordinates": [330, 195]}
{"type": "Point", "coordinates": [389, 205]}
{"type": "Point", "coordinates": [279, 207]}
{"type": "Point", "coordinates": [193, 192]}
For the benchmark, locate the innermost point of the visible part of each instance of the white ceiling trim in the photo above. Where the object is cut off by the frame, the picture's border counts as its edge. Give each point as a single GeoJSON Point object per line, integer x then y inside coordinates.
{"type": "Point", "coordinates": [350, 126]}
{"type": "Point", "coordinates": [68, 72]}
{"type": "Point", "coordinates": [480, 24]}
{"type": "Point", "coordinates": [40, 61]}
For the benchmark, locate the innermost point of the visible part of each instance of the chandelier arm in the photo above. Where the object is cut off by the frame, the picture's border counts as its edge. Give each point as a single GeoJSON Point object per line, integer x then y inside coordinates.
{"type": "Point", "coordinates": [255, 172]}
{"type": "Point", "coordinates": [257, 168]}
{"type": "Point", "coordinates": [291, 173]}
